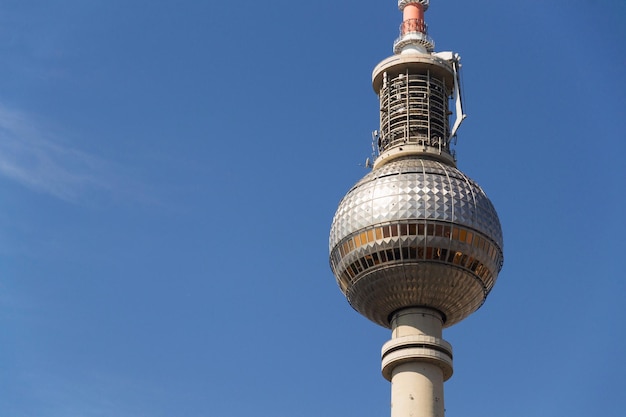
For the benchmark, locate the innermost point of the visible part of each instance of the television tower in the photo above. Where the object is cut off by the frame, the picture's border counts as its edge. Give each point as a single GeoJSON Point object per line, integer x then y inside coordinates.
{"type": "Point", "coordinates": [416, 245]}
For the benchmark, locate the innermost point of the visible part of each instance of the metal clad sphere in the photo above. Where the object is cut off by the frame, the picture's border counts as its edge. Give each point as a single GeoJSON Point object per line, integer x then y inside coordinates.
{"type": "Point", "coordinates": [416, 233]}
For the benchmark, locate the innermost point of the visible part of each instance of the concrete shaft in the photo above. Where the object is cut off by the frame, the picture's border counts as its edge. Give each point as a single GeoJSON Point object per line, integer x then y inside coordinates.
{"type": "Point", "coordinates": [417, 361]}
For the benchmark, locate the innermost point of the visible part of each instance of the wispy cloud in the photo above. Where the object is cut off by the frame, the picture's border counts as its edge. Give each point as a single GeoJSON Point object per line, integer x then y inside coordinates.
{"type": "Point", "coordinates": [40, 160]}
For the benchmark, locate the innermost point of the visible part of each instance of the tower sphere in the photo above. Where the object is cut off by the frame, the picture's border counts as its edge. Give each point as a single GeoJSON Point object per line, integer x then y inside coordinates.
{"type": "Point", "coordinates": [416, 232]}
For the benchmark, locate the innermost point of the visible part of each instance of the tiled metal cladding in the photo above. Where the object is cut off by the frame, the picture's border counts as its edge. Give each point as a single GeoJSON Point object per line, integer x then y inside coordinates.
{"type": "Point", "coordinates": [409, 190]}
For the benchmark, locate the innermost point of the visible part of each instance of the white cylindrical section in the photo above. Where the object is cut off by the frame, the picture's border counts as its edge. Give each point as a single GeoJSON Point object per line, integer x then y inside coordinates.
{"type": "Point", "coordinates": [417, 390]}
{"type": "Point", "coordinates": [413, 49]}
{"type": "Point", "coordinates": [416, 321]}
{"type": "Point", "coordinates": [417, 382]}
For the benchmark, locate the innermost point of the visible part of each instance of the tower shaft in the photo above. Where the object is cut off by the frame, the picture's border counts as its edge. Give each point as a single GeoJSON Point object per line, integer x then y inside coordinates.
{"type": "Point", "coordinates": [417, 361]}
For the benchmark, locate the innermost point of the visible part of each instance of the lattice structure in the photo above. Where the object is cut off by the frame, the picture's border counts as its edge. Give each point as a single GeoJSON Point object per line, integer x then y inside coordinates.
{"type": "Point", "coordinates": [414, 109]}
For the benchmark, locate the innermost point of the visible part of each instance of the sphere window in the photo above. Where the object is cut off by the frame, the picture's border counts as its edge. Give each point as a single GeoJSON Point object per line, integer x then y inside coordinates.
{"type": "Point", "coordinates": [376, 258]}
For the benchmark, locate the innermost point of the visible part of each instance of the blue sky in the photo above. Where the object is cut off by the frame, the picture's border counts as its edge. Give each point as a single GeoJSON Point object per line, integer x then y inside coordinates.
{"type": "Point", "coordinates": [169, 172]}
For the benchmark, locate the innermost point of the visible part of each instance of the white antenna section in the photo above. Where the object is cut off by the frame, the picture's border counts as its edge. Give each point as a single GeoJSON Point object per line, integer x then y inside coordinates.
{"type": "Point", "coordinates": [375, 143]}
{"type": "Point", "coordinates": [460, 116]}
